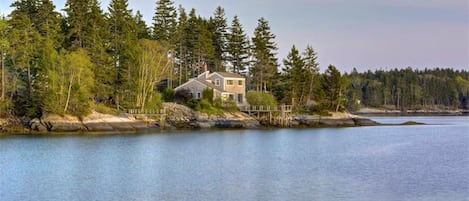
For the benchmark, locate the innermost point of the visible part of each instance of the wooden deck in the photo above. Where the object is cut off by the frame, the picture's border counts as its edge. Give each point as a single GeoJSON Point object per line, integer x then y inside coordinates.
{"type": "Point", "coordinates": [279, 116]}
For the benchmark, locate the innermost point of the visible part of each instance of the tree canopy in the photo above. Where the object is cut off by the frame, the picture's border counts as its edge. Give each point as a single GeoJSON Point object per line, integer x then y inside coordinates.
{"type": "Point", "coordinates": [69, 62]}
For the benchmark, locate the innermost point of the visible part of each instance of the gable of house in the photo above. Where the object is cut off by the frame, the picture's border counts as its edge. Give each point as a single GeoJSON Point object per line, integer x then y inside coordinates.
{"type": "Point", "coordinates": [225, 85]}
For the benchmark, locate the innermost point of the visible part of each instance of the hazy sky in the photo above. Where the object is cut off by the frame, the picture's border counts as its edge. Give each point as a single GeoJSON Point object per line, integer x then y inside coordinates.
{"type": "Point", "coordinates": [366, 34]}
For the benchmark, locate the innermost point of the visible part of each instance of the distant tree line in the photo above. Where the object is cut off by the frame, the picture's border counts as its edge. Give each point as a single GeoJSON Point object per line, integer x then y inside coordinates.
{"type": "Point", "coordinates": [87, 59]}
{"type": "Point", "coordinates": [409, 89]}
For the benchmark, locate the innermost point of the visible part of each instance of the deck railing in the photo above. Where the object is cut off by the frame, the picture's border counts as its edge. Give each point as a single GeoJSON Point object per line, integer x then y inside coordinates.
{"type": "Point", "coordinates": [145, 111]}
{"type": "Point", "coordinates": [265, 108]}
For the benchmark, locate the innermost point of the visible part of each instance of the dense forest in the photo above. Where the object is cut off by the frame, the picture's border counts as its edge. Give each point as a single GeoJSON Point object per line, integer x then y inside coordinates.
{"type": "Point", "coordinates": [408, 89]}
{"type": "Point", "coordinates": [87, 59]}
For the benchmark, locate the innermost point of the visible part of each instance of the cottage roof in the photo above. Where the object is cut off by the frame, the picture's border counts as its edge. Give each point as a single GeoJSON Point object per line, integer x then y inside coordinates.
{"type": "Point", "coordinates": [232, 75]}
{"type": "Point", "coordinates": [210, 85]}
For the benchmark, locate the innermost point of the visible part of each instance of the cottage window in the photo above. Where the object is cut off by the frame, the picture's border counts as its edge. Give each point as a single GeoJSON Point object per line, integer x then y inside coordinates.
{"type": "Point", "coordinates": [240, 98]}
{"type": "Point", "coordinates": [217, 82]}
{"type": "Point", "coordinates": [198, 94]}
{"type": "Point", "coordinates": [229, 82]}
{"type": "Point", "coordinates": [240, 82]}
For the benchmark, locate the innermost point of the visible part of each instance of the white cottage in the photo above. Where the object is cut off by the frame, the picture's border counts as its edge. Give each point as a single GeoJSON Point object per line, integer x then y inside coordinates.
{"type": "Point", "coordinates": [228, 86]}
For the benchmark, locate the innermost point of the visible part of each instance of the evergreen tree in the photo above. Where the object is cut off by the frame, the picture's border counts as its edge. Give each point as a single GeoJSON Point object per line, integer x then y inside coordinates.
{"type": "Point", "coordinates": [164, 21]}
{"type": "Point", "coordinates": [181, 50]}
{"type": "Point", "coordinates": [142, 29]}
{"type": "Point", "coordinates": [295, 78]}
{"type": "Point", "coordinates": [34, 28]}
{"type": "Point", "coordinates": [86, 27]}
{"type": "Point", "coordinates": [238, 47]}
{"type": "Point", "coordinates": [123, 49]}
{"type": "Point", "coordinates": [334, 88]}
{"type": "Point", "coordinates": [200, 50]}
{"type": "Point", "coordinates": [4, 43]}
{"type": "Point", "coordinates": [312, 67]}
{"type": "Point", "coordinates": [264, 71]}
{"type": "Point", "coordinates": [76, 23]}
{"type": "Point", "coordinates": [220, 39]}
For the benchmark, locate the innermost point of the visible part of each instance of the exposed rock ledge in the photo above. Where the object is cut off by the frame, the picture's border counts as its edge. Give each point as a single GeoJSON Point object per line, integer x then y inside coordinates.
{"type": "Point", "coordinates": [93, 122]}
{"type": "Point", "coordinates": [178, 117]}
{"type": "Point", "coordinates": [335, 120]}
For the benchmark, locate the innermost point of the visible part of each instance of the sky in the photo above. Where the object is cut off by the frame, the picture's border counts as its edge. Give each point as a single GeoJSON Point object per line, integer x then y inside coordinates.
{"type": "Point", "coordinates": [362, 34]}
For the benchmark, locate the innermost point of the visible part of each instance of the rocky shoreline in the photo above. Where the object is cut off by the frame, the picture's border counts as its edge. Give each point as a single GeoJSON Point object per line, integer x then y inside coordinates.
{"type": "Point", "coordinates": [177, 117]}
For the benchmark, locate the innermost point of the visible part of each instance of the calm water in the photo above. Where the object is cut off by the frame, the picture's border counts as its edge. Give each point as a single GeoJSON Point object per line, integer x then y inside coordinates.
{"type": "Point", "coordinates": [398, 163]}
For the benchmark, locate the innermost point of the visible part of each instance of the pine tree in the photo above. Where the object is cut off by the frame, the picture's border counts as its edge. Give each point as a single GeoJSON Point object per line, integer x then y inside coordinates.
{"type": "Point", "coordinates": [295, 76]}
{"type": "Point", "coordinates": [34, 39]}
{"type": "Point", "coordinates": [142, 29]}
{"type": "Point", "coordinates": [312, 67]}
{"type": "Point", "coordinates": [265, 66]}
{"type": "Point", "coordinates": [181, 50]}
{"type": "Point", "coordinates": [334, 88]}
{"type": "Point", "coordinates": [238, 47]}
{"type": "Point", "coordinates": [86, 27]}
{"type": "Point", "coordinates": [4, 43]}
{"type": "Point", "coordinates": [123, 49]}
{"type": "Point", "coordinates": [200, 50]}
{"type": "Point", "coordinates": [164, 21]}
{"type": "Point", "coordinates": [219, 39]}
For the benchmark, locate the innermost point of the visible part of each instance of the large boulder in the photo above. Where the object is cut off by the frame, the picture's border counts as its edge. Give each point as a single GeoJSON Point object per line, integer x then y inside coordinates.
{"type": "Point", "coordinates": [105, 122]}
{"type": "Point", "coordinates": [57, 123]}
{"type": "Point", "coordinates": [180, 116]}
{"type": "Point", "coordinates": [365, 122]}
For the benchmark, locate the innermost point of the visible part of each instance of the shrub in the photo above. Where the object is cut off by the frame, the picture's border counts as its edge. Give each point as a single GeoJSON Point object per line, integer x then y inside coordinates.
{"type": "Point", "coordinates": [168, 95]}
{"type": "Point", "coordinates": [155, 102]}
{"type": "Point", "coordinates": [182, 95]}
{"type": "Point", "coordinates": [102, 108]}
{"type": "Point", "coordinates": [207, 94]}
{"type": "Point", "coordinates": [204, 106]}
{"type": "Point", "coordinates": [5, 108]}
{"type": "Point", "coordinates": [261, 99]}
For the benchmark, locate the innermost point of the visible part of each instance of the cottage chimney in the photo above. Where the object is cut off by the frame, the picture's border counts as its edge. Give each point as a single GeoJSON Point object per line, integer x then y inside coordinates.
{"type": "Point", "coordinates": [205, 67]}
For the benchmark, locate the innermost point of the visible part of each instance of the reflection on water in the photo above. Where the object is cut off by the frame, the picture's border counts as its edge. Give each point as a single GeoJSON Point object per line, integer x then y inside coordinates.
{"type": "Point", "coordinates": [369, 163]}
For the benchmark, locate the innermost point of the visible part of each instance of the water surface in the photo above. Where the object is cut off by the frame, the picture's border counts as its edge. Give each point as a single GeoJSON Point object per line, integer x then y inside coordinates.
{"type": "Point", "coordinates": [388, 163]}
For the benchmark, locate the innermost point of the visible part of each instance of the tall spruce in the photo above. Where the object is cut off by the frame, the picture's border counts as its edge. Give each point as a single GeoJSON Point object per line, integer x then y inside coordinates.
{"type": "Point", "coordinates": [164, 21]}
{"type": "Point", "coordinates": [142, 28]}
{"type": "Point", "coordinates": [4, 43]}
{"type": "Point", "coordinates": [181, 50]}
{"type": "Point", "coordinates": [123, 49]}
{"type": "Point", "coordinates": [312, 69]}
{"type": "Point", "coordinates": [295, 78]}
{"type": "Point", "coordinates": [86, 27]}
{"type": "Point", "coordinates": [220, 32]}
{"type": "Point", "coordinates": [334, 88]}
{"type": "Point", "coordinates": [34, 39]}
{"type": "Point", "coordinates": [200, 48]}
{"type": "Point", "coordinates": [264, 71]}
{"type": "Point", "coordinates": [238, 47]}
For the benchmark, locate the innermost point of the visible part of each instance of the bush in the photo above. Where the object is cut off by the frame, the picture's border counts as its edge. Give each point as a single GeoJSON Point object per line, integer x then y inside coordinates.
{"type": "Point", "coordinates": [168, 95]}
{"type": "Point", "coordinates": [204, 106]}
{"type": "Point", "coordinates": [5, 108]}
{"type": "Point", "coordinates": [194, 104]}
{"type": "Point", "coordinates": [155, 102]}
{"type": "Point", "coordinates": [102, 108]}
{"type": "Point", "coordinates": [182, 95]}
{"type": "Point", "coordinates": [319, 109]}
{"type": "Point", "coordinates": [261, 99]}
{"type": "Point", "coordinates": [207, 94]}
